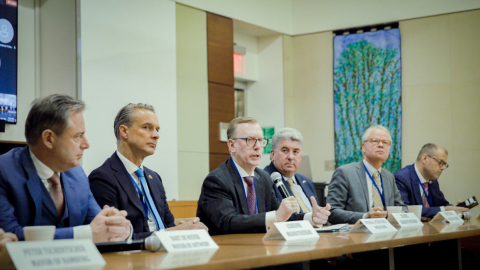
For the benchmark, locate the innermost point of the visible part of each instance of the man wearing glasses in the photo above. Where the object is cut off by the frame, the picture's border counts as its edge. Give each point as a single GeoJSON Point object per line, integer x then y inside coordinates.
{"type": "Point", "coordinates": [420, 178]}
{"type": "Point", "coordinates": [364, 189]}
{"type": "Point", "coordinates": [237, 197]}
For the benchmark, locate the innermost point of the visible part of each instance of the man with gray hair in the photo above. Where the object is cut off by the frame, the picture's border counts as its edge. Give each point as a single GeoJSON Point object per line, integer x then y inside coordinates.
{"type": "Point", "coordinates": [364, 189]}
{"type": "Point", "coordinates": [420, 178]}
{"type": "Point", "coordinates": [43, 183]}
{"type": "Point", "coordinates": [123, 182]}
{"type": "Point", "coordinates": [286, 157]}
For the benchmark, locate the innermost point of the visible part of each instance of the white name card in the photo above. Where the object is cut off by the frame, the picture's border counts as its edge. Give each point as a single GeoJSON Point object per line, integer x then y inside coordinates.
{"type": "Point", "coordinates": [372, 225]}
{"type": "Point", "coordinates": [291, 230]}
{"type": "Point", "coordinates": [404, 220]}
{"type": "Point", "coordinates": [185, 240]}
{"type": "Point", "coordinates": [58, 254]}
{"type": "Point", "coordinates": [448, 216]}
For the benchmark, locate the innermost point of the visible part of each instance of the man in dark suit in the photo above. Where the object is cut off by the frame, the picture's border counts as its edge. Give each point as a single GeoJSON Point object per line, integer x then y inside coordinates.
{"type": "Point", "coordinates": [364, 189]}
{"type": "Point", "coordinates": [286, 156]}
{"type": "Point", "coordinates": [237, 197]}
{"type": "Point", "coordinates": [416, 179]}
{"type": "Point", "coordinates": [43, 184]}
{"type": "Point", "coordinates": [123, 182]}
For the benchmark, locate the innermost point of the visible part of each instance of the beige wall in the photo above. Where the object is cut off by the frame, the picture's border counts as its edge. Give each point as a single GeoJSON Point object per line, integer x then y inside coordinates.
{"type": "Point", "coordinates": [309, 98]}
{"type": "Point", "coordinates": [440, 94]}
{"type": "Point", "coordinates": [192, 101]}
{"type": "Point", "coordinates": [58, 41]}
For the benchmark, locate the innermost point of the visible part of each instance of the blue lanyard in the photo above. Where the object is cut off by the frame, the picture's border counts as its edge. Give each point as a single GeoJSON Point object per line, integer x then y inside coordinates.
{"type": "Point", "coordinates": [245, 193]}
{"type": "Point", "coordinates": [429, 196]}
{"type": "Point", "coordinates": [145, 207]}
{"type": "Point", "coordinates": [375, 184]}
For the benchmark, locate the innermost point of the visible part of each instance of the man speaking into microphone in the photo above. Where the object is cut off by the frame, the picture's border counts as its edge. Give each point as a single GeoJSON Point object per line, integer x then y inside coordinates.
{"type": "Point", "coordinates": [237, 197]}
{"type": "Point", "coordinates": [286, 157]}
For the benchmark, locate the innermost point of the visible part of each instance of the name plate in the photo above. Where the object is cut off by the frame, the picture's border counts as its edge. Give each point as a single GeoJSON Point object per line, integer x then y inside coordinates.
{"type": "Point", "coordinates": [448, 217]}
{"type": "Point", "coordinates": [404, 220]}
{"type": "Point", "coordinates": [58, 254]}
{"type": "Point", "coordinates": [372, 225]}
{"type": "Point", "coordinates": [291, 230]}
{"type": "Point", "coordinates": [185, 240]}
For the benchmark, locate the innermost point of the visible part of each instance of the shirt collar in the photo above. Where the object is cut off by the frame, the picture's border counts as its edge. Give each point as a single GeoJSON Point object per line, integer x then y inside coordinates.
{"type": "Point", "coordinates": [293, 178]}
{"type": "Point", "coordinates": [420, 176]}
{"type": "Point", "coordinates": [242, 172]}
{"type": "Point", "coordinates": [129, 166]}
{"type": "Point", "coordinates": [370, 168]}
{"type": "Point", "coordinates": [43, 171]}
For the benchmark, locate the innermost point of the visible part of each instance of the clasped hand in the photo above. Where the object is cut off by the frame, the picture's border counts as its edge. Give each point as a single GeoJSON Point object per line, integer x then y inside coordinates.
{"type": "Point", "coordinates": [110, 225]}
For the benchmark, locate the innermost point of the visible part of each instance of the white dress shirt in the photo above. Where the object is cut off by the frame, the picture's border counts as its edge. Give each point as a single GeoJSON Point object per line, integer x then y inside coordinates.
{"type": "Point", "coordinates": [270, 217]}
{"type": "Point", "coordinates": [422, 180]}
{"type": "Point", "coordinates": [131, 168]}
{"type": "Point", "coordinates": [370, 186]}
{"type": "Point", "coordinates": [300, 192]}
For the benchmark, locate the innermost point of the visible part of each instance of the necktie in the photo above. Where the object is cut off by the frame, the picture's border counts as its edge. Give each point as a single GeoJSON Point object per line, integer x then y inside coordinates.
{"type": "Point", "coordinates": [56, 192]}
{"type": "Point", "coordinates": [151, 206]}
{"type": "Point", "coordinates": [299, 200]}
{"type": "Point", "coordinates": [377, 200]}
{"type": "Point", "coordinates": [425, 200]}
{"type": "Point", "coordinates": [250, 194]}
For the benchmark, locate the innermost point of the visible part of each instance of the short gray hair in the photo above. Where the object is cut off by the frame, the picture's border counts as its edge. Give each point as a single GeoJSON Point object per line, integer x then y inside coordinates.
{"type": "Point", "coordinates": [286, 133]}
{"type": "Point", "coordinates": [51, 112]}
{"type": "Point", "coordinates": [429, 149]}
{"type": "Point", "coordinates": [372, 128]}
{"type": "Point", "coordinates": [125, 116]}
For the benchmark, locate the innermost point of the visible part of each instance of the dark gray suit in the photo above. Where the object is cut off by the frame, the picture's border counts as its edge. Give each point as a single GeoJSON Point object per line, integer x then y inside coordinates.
{"type": "Point", "coordinates": [348, 193]}
{"type": "Point", "coordinates": [222, 205]}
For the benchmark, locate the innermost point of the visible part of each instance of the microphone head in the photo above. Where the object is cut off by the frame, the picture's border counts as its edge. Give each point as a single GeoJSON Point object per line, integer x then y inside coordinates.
{"type": "Point", "coordinates": [153, 243]}
{"type": "Point", "coordinates": [275, 176]}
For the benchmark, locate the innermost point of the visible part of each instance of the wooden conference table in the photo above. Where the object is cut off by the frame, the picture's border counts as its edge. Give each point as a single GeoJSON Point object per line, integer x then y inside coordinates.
{"type": "Point", "coordinates": [240, 251]}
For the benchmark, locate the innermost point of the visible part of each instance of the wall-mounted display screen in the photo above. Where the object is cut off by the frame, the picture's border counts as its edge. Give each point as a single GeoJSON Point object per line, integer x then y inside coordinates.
{"type": "Point", "coordinates": [8, 60]}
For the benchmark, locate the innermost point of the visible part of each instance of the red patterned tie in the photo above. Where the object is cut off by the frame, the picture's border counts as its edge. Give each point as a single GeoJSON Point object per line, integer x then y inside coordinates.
{"type": "Point", "coordinates": [425, 201]}
{"type": "Point", "coordinates": [250, 194]}
{"type": "Point", "coordinates": [56, 192]}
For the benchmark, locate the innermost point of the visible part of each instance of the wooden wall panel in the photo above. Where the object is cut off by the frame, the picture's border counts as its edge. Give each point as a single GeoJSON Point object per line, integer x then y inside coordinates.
{"type": "Point", "coordinates": [183, 209]}
{"type": "Point", "coordinates": [221, 94]}
{"type": "Point", "coordinates": [221, 108]}
{"type": "Point", "coordinates": [217, 159]}
{"type": "Point", "coordinates": [220, 49]}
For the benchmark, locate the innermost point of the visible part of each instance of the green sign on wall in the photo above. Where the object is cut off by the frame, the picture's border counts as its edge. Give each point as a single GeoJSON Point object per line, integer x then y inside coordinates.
{"type": "Point", "coordinates": [268, 134]}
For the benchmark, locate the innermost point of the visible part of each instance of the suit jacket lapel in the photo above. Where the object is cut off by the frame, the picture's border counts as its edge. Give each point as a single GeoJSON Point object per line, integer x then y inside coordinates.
{"type": "Point", "coordinates": [125, 181]}
{"type": "Point", "coordinates": [415, 186]}
{"type": "Point", "coordinates": [362, 177]}
{"type": "Point", "coordinates": [34, 184]}
{"type": "Point", "coordinates": [304, 185]}
{"type": "Point", "coordinates": [238, 184]}
{"type": "Point", "coordinates": [153, 186]}
{"type": "Point", "coordinates": [259, 189]}
{"type": "Point", "coordinates": [71, 201]}
{"type": "Point", "coordinates": [387, 191]}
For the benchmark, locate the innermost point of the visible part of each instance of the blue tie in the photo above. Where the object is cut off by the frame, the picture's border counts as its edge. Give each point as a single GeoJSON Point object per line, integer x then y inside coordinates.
{"type": "Point", "coordinates": [150, 204]}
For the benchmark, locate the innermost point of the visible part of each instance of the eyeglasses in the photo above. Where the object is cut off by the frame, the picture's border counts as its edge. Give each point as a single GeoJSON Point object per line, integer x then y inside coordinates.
{"type": "Point", "coordinates": [377, 141]}
{"type": "Point", "coordinates": [440, 162]}
{"type": "Point", "coordinates": [252, 141]}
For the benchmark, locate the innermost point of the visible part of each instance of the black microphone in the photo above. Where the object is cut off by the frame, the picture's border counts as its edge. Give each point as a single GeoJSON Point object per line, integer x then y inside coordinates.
{"type": "Point", "coordinates": [277, 181]}
{"type": "Point", "coordinates": [151, 243]}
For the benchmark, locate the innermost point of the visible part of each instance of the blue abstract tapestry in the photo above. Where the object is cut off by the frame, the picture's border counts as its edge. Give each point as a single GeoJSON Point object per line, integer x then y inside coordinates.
{"type": "Point", "coordinates": [367, 91]}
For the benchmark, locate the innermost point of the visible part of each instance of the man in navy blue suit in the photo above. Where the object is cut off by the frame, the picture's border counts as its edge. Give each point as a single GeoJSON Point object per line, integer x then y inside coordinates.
{"type": "Point", "coordinates": [420, 178]}
{"type": "Point", "coordinates": [286, 156]}
{"type": "Point", "coordinates": [43, 183]}
{"type": "Point", "coordinates": [123, 182]}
